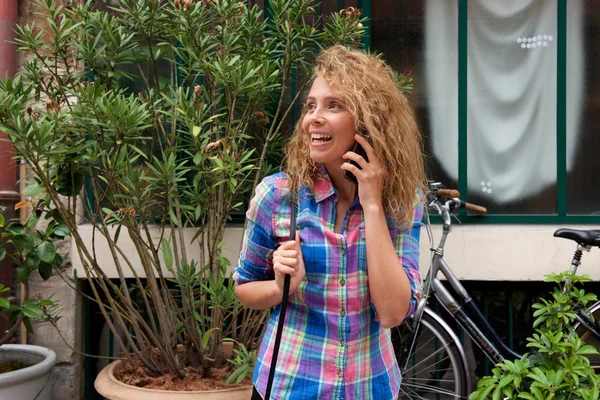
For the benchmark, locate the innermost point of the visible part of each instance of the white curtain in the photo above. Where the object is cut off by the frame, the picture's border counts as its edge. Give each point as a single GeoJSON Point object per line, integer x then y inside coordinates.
{"type": "Point", "coordinates": [511, 91]}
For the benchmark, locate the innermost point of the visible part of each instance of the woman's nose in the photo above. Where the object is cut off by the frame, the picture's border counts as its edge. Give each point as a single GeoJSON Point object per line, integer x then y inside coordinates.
{"type": "Point", "coordinates": [317, 116]}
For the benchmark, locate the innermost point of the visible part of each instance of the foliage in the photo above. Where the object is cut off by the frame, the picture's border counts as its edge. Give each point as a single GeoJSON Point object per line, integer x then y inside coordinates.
{"type": "Point", "coordinates": [30, 250]}
{"type": "Point", "coordinates": [557, 367]}
{"type": "Point", "coordinates": [244, 364]}
{"type": "Point", "coordinates": [181, 145]}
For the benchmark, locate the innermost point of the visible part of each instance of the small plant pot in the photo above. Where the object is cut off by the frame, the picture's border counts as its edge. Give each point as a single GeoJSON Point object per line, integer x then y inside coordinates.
{"type": "Point", "coordinates": [31, 382]}
{"type": "Point", "coordinates": [108, 386]}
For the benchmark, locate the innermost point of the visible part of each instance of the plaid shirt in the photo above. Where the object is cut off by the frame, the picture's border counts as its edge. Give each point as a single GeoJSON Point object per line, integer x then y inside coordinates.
{"type": "Point", "coordinates": [333, 346]}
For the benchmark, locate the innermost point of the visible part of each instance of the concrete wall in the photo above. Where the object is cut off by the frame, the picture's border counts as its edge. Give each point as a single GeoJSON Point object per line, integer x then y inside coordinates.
{"type": "Point", "coordinates": [474, 252]}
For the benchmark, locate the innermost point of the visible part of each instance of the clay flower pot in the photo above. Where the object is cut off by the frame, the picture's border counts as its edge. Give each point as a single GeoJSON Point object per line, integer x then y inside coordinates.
{"type": "Point", "coordinates": [108, 386]}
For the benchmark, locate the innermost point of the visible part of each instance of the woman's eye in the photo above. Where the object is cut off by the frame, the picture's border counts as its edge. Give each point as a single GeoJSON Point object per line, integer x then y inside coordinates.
{"type": "Point", "coordinates": [310, 106]}
{"type": "Point", "coordinates": [335, 105]}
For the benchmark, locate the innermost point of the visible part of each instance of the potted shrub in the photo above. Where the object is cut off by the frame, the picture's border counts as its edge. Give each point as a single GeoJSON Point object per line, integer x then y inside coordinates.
{"type": "Point", "coordinates": [557, 367]}
{"type": "Point", "coordinates": [180, 146]}
{"type": "Point", "coordinates": [25, 369]}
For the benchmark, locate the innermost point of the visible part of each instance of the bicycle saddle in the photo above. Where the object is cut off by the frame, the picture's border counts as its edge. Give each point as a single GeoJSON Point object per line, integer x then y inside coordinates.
{"type": "Point", "coordinates": [587, 237]}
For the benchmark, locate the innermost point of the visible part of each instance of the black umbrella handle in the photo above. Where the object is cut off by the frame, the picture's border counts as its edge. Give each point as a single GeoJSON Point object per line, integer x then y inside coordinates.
{"type": "Point", "coordinates": [286, 293]}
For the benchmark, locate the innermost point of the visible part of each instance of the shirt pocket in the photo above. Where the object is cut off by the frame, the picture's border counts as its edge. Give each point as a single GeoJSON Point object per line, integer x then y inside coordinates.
{"type": "Point", "coordinates": [315, 258]}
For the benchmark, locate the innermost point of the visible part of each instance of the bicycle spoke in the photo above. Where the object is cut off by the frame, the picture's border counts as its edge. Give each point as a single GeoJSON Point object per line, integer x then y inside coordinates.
{"type": "Point", "coordinates": [425, 359]}
{"type": "Point", "coordinates": [426, 368]}
{"type": "Point", "coordinates": [427, 342]}
{"type": "Point", "coordinates": [411, 397]}
{"type": "Point", "coordinates": [432, 389]}
{"type": "Point", "coordinates": [429, 380]}
{"type": "Point", "coordinates": [431, 365]}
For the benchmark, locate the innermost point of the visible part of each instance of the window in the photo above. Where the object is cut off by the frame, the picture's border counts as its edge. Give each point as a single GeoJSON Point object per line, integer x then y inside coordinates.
{"type": "Point", "coordinates": [505, 96]}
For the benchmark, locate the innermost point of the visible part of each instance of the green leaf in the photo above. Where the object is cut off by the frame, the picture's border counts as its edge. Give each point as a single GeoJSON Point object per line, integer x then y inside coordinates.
{"type": "Point", "coordinates": [485, 393]}
{"type": "Point", "coordinates": [22, 273]}
{"type": "Point", "coordinates": [24, 241]}
{"type": "Point", "coordinates": [4, 303]}
{"type": "Point", "coordinates": [2, 253]}
{"type": "Point", "coordinates": [46, 252]}
{"type": "Point", "coordinates": [32, 222]}
{"type": "Point", "coordinates": [587, 350]}
{"type": "Point", "coordinates": [62, 230]}
{"type": "Point", "coordinates": [497, 393]}
{"type": "Point", "coordinates": [538, 394]}
{"type": "Point", "coordinates": [524, 395]}
{"type": "Point", "coordinates": [206, 336]}
{"type": "Point", "coordinates": [27, 323]}
{"type": "Point", "coordinates": [505, 381]}
{"type": "Point", "coordinates": [195, 130]}
{"type": "Point", "coordinates": [45, 270]}
{"type": "Point", "coordinates": [32, 310]}
{"type": "Point", "coordinates": [167, 254]}
{"type": "Point", "coordinates": [117, 233]}
{"type": "Point", "coordinates": [15, 229]}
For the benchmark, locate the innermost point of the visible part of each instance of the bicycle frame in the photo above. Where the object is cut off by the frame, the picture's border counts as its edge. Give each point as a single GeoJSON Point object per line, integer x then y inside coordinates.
{"type": "Point", "coordinates": [469, 317]}
{"type": "Point", "coordinates": [464, 310]}
{"type": "Point", "coordinates": [476, 326]}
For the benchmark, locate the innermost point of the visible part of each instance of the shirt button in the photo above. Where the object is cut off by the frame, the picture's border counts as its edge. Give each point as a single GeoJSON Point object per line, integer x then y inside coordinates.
{"type": "Point", "coordinates": [343, 313]}
{"type": "Point", "coordinates": [343, 252]}
{"type": "Point", "coordinates": [340, 373]}
{"type": "Point", "coordinates": [343, 282]}
{"type": "Point", "coordinates": [342, 343]}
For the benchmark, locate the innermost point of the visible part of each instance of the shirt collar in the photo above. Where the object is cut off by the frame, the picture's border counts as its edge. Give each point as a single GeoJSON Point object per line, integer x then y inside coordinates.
{"type": "Point", "coordinates": [323, 186]}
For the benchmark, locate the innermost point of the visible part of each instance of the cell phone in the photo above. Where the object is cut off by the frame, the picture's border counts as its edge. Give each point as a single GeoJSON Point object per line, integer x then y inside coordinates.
{"type": "Point", "coordinates": [358, 149]}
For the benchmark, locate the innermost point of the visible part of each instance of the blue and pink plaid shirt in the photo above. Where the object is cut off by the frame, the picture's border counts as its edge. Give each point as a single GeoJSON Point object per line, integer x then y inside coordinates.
{"type": "Point", "coordinates": [333, 346]}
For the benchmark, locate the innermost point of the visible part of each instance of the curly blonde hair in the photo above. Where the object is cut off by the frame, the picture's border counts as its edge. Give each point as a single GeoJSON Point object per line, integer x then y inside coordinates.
{"type": "Point", "coordinates": [368, 87]}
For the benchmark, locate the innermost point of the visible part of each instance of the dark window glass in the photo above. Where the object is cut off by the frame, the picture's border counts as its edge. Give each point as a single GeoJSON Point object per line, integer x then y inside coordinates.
{"type": "Point", "coordinates": [583, 107]}
{"type": "Point", "coordinates": [420, 38]}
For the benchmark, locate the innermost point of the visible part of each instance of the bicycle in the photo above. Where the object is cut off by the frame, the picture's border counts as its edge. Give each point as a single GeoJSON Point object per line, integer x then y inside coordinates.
{"type": "Point", "coordinates": [432, 359]}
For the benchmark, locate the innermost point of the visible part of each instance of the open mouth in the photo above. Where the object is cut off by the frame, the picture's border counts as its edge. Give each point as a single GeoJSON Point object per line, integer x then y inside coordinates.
{"type": "Point", "coordinates": [319, 138]}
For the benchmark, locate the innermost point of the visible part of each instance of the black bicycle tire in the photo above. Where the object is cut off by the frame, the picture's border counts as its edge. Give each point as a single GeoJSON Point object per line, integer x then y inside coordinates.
{"type": "Point", "coordinates": [585, 335]}
{"type": "Point", "coordinates": [430, 324]}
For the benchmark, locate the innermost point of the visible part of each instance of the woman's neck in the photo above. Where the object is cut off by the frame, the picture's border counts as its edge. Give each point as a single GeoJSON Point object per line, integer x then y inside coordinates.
{"type": "Point", "coordinates": [347, 190]}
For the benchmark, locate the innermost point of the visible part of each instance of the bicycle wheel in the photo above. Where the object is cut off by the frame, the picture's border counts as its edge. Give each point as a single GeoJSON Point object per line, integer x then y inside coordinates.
{"type": "Point", "coordinates": [434, 367]}
{"type": "Point", "coordinates": [589, 338]}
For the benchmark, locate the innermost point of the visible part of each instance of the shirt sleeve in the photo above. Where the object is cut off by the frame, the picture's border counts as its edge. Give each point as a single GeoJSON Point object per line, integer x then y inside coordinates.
{"type": "Point", "coordinates": [407, 248]}
{"type": "Point", "coordinates": [256, 257]}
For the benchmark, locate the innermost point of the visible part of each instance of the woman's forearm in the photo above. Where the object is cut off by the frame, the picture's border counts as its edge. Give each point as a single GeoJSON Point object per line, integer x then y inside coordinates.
{"type": "Point", "coordinates": [389, 286]}
{"type": "Point", "coordinates": [259, 295]}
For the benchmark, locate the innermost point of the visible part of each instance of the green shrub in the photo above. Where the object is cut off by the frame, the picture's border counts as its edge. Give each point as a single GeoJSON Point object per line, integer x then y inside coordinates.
{"type": "Point", "coordinates": [557, 367]}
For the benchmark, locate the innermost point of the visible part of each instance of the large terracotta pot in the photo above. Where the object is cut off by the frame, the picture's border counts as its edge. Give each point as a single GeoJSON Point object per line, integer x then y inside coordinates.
{"type": "Point", "coordinates": [31, 382]}
{"type": "Point", "coordinates": [108, 386]}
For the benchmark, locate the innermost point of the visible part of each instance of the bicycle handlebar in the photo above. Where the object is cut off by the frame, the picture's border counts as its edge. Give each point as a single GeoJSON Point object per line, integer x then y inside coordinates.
{"type": "Point", "coordinates": [448, 193]}
{"type": "Point", "coordinates": [475, 208]}
{"type": "Point", "coordinates": [455, 194]}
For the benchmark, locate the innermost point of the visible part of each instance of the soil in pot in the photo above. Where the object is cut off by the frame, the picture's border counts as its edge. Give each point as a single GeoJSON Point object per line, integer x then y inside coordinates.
{"type": "Point", "coordinates": [135, 375]}
{"type": "Point", "coordinates": [10, 366]}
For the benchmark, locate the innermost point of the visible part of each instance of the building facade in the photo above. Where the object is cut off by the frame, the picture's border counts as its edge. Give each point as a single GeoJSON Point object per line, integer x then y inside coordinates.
{"type": "Point", "coordinates": [505, 94]}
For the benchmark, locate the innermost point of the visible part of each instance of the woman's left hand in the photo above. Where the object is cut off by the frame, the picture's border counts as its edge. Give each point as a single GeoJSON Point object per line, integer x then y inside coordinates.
{"type": "Point", "coordinates": [370, 178]}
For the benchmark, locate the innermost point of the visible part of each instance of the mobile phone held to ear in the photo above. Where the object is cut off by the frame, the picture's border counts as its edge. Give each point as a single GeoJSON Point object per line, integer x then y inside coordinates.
{"type": "Point", "coordinates": [358, 149]}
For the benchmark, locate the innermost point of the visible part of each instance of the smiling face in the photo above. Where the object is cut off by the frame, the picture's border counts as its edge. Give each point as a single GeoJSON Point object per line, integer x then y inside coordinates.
{"type": "Point", "coordinates": [328, 125]}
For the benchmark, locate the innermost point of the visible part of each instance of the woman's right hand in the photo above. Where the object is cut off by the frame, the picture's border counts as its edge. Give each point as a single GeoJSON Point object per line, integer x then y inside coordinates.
{"type": "Point", "coordinates": [287, 259]}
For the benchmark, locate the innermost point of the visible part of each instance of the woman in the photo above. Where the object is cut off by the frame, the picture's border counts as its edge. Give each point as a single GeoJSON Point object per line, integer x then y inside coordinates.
{"type": "Point", "coordinates": [354, 262]}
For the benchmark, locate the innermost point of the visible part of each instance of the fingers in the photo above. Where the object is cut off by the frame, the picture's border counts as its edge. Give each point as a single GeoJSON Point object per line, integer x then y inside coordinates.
{"type": "Point", "coordinates": [352, 168]}
{"type": "Point", "coordinates": [350, 155]}
{"type": "Point", "coordinates": [285, 260]}
{"type": "Point", "coordinates": [367, 146]}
